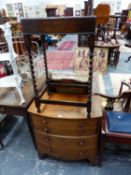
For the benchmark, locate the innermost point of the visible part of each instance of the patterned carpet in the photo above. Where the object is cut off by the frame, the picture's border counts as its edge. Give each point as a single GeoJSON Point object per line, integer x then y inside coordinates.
{"type": "Point", "coordinates": [57, 60]}
{"type": "Point", "coordinates": [66, 45]}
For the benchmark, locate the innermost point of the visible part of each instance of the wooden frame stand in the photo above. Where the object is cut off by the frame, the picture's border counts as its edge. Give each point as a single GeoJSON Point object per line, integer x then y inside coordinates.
{"type": "Point", "coordinates": [52, 112]}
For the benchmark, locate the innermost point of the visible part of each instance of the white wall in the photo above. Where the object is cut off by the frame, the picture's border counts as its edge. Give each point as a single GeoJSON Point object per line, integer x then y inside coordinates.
{"type": "Point", "coordinates": [124, 2]}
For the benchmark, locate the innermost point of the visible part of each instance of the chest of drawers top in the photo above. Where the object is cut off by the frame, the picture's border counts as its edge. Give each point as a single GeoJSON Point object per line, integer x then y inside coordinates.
{"type": "Point", "coordinates": [67, 112]}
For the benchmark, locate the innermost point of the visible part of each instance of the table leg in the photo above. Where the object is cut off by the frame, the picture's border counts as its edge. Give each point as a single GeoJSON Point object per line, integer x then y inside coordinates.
{"type": "Point", "coordinates": [1, 143]}
{"type": "Point", "coordinates": [114, 34]}
{"type": "Point", "coordinates": [129, 58]}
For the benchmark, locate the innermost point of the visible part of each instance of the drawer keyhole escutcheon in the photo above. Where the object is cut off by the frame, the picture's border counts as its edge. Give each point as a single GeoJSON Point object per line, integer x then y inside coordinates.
{"type": "Point", "coordinates": [47, 140]}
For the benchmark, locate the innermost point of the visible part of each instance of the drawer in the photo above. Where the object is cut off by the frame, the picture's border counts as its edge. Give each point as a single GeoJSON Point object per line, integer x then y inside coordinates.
{"type": "Point", "coordinates": [67, 153]}
{"type": "Point", "coordinates": [70, 127]}
{"type": "Point", "coordinates": [69, 142]}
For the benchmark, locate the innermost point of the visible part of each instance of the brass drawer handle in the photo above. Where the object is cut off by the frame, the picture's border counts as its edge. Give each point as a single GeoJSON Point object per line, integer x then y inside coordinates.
{"type": "Point", "coordinates": [81, 143]}
{"type": "Point", "coordinates": [82, 124]}
{"type": "Point", "coordinates": [48, 149]}
{"type": "Point", "coordinates": [80, 153]}
{"type": "Point", "coordinates": [45, 130]}
{"type": "Point", "coordinates": [47, 140]}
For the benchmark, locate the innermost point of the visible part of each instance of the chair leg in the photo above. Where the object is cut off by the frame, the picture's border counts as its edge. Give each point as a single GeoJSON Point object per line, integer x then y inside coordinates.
{"type": "Point", "coordinates": [129, 58]}
{"type": "Point", "coordinates": [2, 145]}
{"type": "Point", "coordinates": [101, 150]}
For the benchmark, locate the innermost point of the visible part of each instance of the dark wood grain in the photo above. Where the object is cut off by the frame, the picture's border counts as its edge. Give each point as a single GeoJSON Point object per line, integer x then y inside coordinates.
{"type": "Point", "coordinates": [63, 141]}
{"type": "Point", "coordinates": [76, 127]}
{"type": "Point", "coordinates": [68, 153]}
{"type": "Point", "coordinates": [59, 25]}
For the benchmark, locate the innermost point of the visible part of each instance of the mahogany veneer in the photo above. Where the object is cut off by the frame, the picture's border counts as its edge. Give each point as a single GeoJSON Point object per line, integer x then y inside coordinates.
{"type": "Point", "coordinates": [65, 132]}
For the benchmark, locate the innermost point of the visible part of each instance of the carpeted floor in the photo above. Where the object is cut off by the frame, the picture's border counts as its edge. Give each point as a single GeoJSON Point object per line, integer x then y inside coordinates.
{"type": "Point", "coordinates": [110, 82]}
{"type": "Point", "coordinates": [66, 45]}
{"type": "Point", "coordinates": [60, 60]}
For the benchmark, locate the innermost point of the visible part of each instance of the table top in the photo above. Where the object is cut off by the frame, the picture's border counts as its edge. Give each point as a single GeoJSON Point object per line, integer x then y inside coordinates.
{"type": "Point", "coordinates": [117, 16]}
{"type": "Point", "coordinates": [106, 45]}
{"type": "Point", "coordinates": [9, 96]}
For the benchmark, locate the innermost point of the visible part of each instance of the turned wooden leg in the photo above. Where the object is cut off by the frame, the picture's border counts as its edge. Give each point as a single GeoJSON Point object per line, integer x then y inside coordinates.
{"type": "Point", "coordinates": [101, 150]}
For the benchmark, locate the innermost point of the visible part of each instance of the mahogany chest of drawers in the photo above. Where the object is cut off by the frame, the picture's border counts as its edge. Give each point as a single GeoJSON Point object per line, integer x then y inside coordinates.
{"type": "Point", "coordinates": [65, 132]}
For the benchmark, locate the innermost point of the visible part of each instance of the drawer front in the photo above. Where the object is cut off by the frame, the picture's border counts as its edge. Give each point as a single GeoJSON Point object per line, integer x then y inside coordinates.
{"type": "Point", "coordinates": [69, 142]}
{"type": "Point", "coordinates": [70, 127]}
{"type": "Point", "coordinates": [67, 153]}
